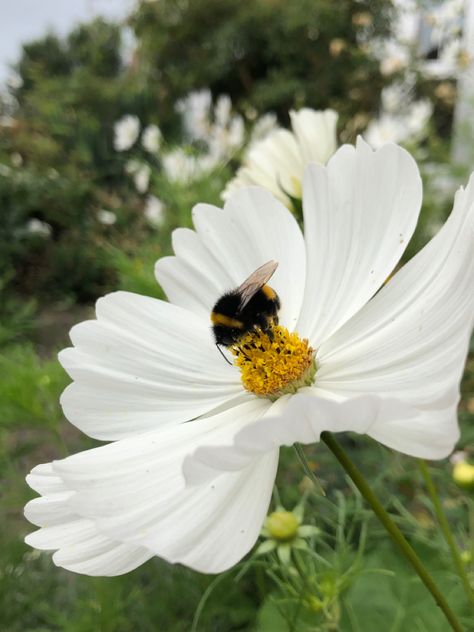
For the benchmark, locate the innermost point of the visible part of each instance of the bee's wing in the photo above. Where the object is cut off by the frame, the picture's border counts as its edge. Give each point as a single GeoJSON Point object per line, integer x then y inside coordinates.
{"type": "Point", "coordinates": [255, 281]}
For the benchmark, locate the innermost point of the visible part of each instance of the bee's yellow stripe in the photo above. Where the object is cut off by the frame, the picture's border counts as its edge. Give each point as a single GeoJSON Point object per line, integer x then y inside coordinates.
{"type": "Point", "coordinates": [269, 293]}
{"type": "Point", "coordinates": [226, 321]}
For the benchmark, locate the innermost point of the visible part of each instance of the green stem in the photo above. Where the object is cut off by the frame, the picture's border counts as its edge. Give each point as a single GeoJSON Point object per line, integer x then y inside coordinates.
{"type": "Point", "coordinates": [307, 470]}
{"type": "Point", "coordinates": [391, 527]}
{"type": "Point", "coordinates": [444, 525]}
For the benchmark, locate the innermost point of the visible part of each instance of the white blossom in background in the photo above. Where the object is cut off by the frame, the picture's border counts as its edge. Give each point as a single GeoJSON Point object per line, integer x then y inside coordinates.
{"type": "Point", "coordinates": [16, 159]}
{"type": "Point", "coordinates": [224, 140]}
{"type": "Point", "coordinates": [264, 125]}
{"type": "Point", "coordinates": [419, 31]}
{"type": "Point", "coordinates": [140, 172]}
{"type": "Point", "coordinates": [151, 138]}
{"type": "Point", "coordinates": [451, 60]}
{"type": "Point", "coordinates": [395, 53]}
{"type": "Point", "coordinates": [142, 178]}
{"type": "Point", "coordinates": [5, 170]}
{"type": "Point", "coordinates": [223, 111]}
{"type": "Point", "coordinates": [401, 119]}
{"type": "Point", "coordinates": [180, 166]}
{"type": "Point", "coordinates": [445, 20]}
{"type": "Point", "coordinates": [35, 226]}
{"type": "Point", "coordinates": [107, 218]}
{"type": "Point", "coordinates": [189, 471]}
{"type": "Point", "coordinates": [278, 161]}
{"type": "Point", "coordinates": [196, 112]}
{"type": "Point", "coordinates": [219, 131]}
{"type": "Point", "coordinates": [14, 81]}
{"type": "Point", "coordinates": [154, 211]}
{"type": "Point", "coordinates": [126, 132]}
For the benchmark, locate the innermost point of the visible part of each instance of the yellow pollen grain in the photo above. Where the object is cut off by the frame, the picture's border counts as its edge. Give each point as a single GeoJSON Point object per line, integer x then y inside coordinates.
{"type": "Point", "coordinates": [274, 363]}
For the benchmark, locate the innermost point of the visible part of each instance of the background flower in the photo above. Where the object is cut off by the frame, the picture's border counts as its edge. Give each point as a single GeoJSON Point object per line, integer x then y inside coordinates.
{"type": "Point", "coordinates": [277, 162]}
{"type": "Point", "coordinates": [126, 132]}
{"type": "Point", "coordinates": [151, 138]}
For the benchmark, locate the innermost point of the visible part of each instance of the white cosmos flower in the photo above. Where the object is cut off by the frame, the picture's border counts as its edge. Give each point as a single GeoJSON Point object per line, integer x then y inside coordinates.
{"type": "Point", "coordinates": [278, 161]}
{"type": "Point", "coordinates": [155, 211]}
{"type": "Point", "coordinates": [151, 138]}
{"type": "Point", "coordinates": [108, 218]}
{"type": "Point", "coordinates": [35, 226]}
{"type": "Point", "coordinates": [140, 172]}
{"type": "Point", "coordinates": [181, 167]}
{"type": "Point", "coordinates": [189, 471]}
{"type": "Point", "coordinates": [126, 132]}
{"type": "Point", "coordinates": [409, 124]}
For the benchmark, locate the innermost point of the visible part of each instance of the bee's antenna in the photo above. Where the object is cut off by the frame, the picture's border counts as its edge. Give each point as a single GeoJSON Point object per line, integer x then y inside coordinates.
{"type": "Point", "coordinates": [222, 354]}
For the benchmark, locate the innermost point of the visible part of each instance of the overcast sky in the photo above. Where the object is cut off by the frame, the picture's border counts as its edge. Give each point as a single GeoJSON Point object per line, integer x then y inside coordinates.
{"type": "Point", "coordinates": [24, 20]}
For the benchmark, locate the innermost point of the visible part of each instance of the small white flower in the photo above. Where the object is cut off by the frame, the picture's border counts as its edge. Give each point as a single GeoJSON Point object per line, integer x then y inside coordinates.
{"type": "Point", "coordinates": [151, 138]}
{"type": "Point", "coordinates": [16, 159]}
{"type": "Point", "coordinates": [140, 172]}
{"type": "Point", "coordinates": [126, 132]}
{"type": "Point", "coordinates": [278, 161]}
{"type": "Point", "coordinates": [189, 472]}
{"type": "Point", "coordinates": [108, 218]}
{"type": "Point", "coordinates": [35, 226]}
{"type": "Point", "coordinates": [154, 211]}
{"type": "Point", "coordinates": [407, 125]}
{"type": "Point", "coordinates": [196, 108]}
{"type": "Point", "coordinates": [5, 170]}
{"type": "Point", "coordinates": [223, 110]}
{"type": "Point", "coordinates": [386, 129]}
{"type": "Point", "coordinates": [180, 167]}
{"type": "Point", "coordinates": [142, 178]}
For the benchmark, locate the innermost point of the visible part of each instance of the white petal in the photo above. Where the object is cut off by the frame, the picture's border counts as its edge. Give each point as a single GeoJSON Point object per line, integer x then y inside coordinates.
{"type": "Point", "coordinates": [300, 418]}
{"type": "Point", "coordinates": [316, 133]}
{"type": "Point", "coordinates": [194, 277]}
{"type": "Point", "coordinates": [411, 340]}
{"type": "Point", "coordinates": [133, 491]}
{"type": "Point", "coordinates": [276, 164]}
{"type": "Point", "coordinates": [232, 243]}
{"type": "Point", "coordinates": [80, 548]}
{"type": "Point", "coordinates": [141, 364]}
{"type": "Point", "coordinates": [360, 212]}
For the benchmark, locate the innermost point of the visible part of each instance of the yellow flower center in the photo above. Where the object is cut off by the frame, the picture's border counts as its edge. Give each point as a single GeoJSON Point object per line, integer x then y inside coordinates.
{"type": "Point", "coordinates": [274, 363]}
{"type": "Point", "coordinates": [282, 525]}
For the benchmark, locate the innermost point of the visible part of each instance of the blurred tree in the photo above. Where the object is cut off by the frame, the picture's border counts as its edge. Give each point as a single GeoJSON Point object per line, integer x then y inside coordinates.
{"type": "Point", "coordinates": [63, 165]}
{"type": "Point", "coordinates": [266, 54]}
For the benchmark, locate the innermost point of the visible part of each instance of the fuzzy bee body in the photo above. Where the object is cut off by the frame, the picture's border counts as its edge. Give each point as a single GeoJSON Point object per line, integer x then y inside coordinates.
{"type": "Point", "coordinates": [253, 305]}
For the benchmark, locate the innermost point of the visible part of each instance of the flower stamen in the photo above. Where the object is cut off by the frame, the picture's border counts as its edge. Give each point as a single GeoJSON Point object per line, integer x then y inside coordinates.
{"type": "Point", "coordinates": [274, 362]}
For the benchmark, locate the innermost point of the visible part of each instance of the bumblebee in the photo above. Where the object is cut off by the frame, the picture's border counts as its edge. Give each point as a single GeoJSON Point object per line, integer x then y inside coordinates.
{"type": "Point", "coordinates": [253, 305]}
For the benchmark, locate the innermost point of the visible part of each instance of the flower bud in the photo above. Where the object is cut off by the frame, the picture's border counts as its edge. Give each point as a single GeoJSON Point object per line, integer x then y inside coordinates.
{"type": "Point", "coordinates": [282, 525]}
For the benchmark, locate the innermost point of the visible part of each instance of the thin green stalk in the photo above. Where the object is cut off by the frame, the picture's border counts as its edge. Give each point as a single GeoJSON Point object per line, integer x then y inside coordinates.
{"type": "Point", "coordinates": [391, 528]}
{"type": "Point", "coordinates": [444, 525]}
{"type": "Point", "coordinates": [307, 470]}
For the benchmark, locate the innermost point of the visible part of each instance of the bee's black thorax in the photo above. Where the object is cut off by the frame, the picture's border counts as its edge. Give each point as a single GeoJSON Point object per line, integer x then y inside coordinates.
{"type": "Point", "coordinates": [230, 322]}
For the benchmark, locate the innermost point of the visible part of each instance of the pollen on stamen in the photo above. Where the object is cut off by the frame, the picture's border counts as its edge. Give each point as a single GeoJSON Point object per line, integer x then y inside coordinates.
{"type": "Point", "coordinates": [274, 363]}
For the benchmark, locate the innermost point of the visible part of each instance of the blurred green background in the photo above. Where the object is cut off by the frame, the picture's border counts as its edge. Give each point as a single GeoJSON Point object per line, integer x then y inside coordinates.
{"type": "Point", "coordinates": [77, 223]}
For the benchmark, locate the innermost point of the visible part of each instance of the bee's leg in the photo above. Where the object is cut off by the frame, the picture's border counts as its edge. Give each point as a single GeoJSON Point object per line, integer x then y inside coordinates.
{"type": "Point", "coordinates": [241, 350]}
{"type": "Point", "coordinates": [222, 354]}
{"type": "Point", "coordinates": [269, 332]}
